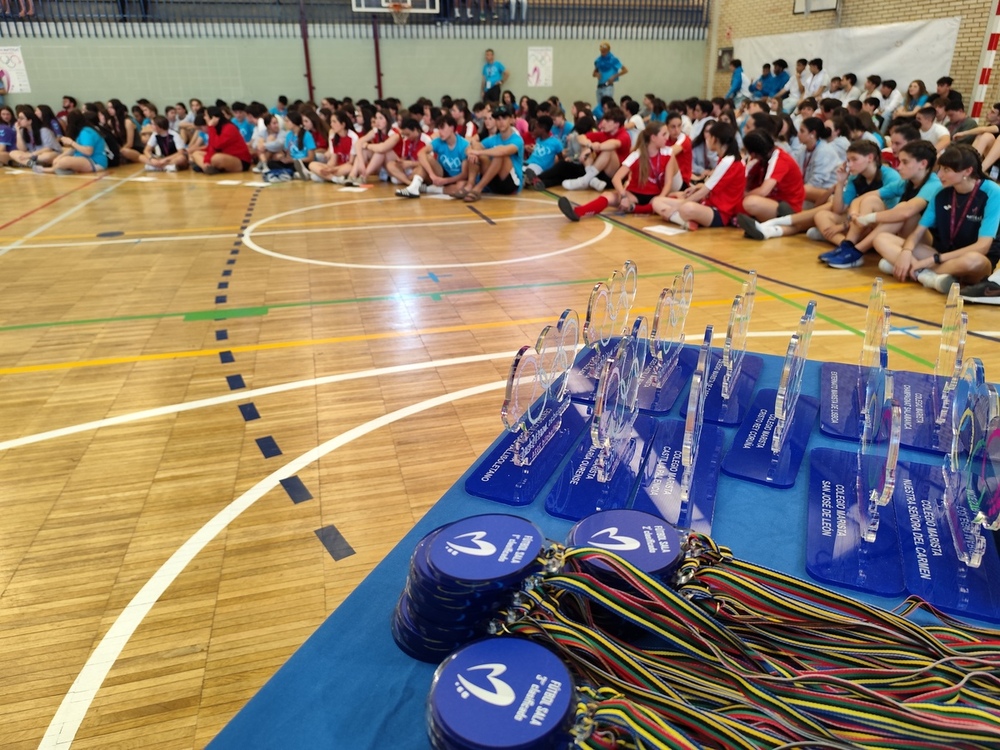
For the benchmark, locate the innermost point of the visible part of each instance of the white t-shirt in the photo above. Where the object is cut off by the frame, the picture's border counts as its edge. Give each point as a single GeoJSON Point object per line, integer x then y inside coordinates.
{"type": "Point", "coordinates": [892, 102]}
{"type": "Point", "coordinates": [935, 134]}
{"type": "Point", "coordinates": [819, 81]}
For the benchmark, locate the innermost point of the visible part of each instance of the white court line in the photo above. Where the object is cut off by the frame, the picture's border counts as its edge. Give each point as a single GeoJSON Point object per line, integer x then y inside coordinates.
{"type": "Point", "coordinates": [75, 704]}
{"type": "Point", "coordinates": [251, 230]}
{"type": "Point", "coordinates": [276, 232]}
{"type": "Point", "coordinates": [245, 395]}
{"type": "Point", "coordinates": [61, 217]}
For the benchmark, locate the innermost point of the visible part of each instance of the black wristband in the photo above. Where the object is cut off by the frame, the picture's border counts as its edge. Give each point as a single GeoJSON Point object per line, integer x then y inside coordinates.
{"type": "Point", "coordinates": [937, 259]}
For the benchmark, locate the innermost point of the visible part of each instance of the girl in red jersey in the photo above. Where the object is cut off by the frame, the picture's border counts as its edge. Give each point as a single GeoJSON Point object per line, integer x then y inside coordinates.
{"type": "Point", "coordinates": [774, 180]}
{"type": "Point", "coordinates": [679, 169]}
{"type": "Point", "coordinates": [315, 124]}
{"type": "Point", "coordinates": [643, 171]}
{"type": "Point", "coordinates": [339, 158]}
{"type": "Point", "coordinates": [226, 150]}
{"type": "Point", "coordinates": [715, 202]}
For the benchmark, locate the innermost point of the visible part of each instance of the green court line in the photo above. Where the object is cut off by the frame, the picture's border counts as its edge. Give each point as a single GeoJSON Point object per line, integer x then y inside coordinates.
{"type": "Point", "coordinates": [247, 312]}
{"type": "Point", "coordinates": [740, 279]}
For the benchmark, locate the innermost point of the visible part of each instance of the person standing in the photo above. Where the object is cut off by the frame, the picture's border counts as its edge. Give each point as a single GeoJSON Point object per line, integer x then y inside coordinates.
{"type": "Point", "coordinates": [494, 77]}
{"type": "Point", "coordinates": [607, 70]}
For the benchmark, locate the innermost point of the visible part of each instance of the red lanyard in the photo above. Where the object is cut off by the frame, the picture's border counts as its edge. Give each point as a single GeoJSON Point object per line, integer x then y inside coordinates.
{"type": "Point", "coordinates": [958, 214]}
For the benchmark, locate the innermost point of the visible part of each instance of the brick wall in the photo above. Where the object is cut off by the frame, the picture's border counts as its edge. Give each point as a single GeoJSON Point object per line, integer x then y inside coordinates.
{"type": "Point", "coordinates": [740, 19]}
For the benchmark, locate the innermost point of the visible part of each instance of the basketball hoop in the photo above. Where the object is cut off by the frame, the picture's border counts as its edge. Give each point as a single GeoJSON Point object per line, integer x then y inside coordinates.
{"type": "Point", "coordinates": [400, 13]}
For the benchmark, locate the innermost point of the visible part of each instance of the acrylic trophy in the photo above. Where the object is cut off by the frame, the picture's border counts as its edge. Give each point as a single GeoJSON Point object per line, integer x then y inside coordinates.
{"type": "Point", "coordinates": [851, 538]}
{"type": "Point", "coordinates": [602, 472]}
{"type": "Point", "coordinates": [948, 559]}
{"type": "Point", "coordinates": [842, 385]}
{"type": "Point", "coordinates": [541, 422]}
{"type": "Point", "coordinates": [732, 376]}
{"type": "Point", "coordinates": [669, 365]}
{"type": "Point", "coordinates": [771, 441]}
{"type": "Point", "coordinates": [681, 472]}
{"type": "Point", "coordinates": [926, 399]}
{"type": "Point", "coordinates": [608, 312]}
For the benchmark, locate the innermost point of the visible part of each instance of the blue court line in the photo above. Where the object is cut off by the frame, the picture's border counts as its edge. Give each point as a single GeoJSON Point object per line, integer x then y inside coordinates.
{"type": "Point", "coordinates": [249, 412]}
{"type": "Point", "coordinates": [334, 542]}
{"type": "Point", "coordinates": [235, 382]}
{"type": "Point", "coordinates": [220, 299]}
{"type": "Point", "coordinates": [268, 446]}
{"type": "Point", "coordinates": [228, 272]}
{"type": "Point", "coordinates": [296, 489]}
{"type": "Point", "coordinates": [223, 285]}
{"type": "Point", "coordinates": [481, 215]}
{"type": "Point", "coordinates": [231, 262]}
{"type": "Point", "coordinates": [221, 335]}
{"type": "Point", "coordinates": [226, 357]}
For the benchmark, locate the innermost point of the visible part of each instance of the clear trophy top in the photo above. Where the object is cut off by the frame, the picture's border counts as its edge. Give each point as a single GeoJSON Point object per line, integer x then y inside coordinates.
{"type": "Point", "coordinates": [610, 306]}
{"type": "Point", "coordinates": [790, 385]}
{"type": "Point", "coordinates": [877, 324]}
{"type": "Point", "coordinates": [735, 347]}
{"type": "Point", "coordinates": [616, 404]}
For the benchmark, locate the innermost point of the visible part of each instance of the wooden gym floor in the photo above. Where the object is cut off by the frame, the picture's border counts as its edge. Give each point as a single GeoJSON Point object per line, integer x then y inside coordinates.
{"type": "Point", "coordinates": [159, 378]}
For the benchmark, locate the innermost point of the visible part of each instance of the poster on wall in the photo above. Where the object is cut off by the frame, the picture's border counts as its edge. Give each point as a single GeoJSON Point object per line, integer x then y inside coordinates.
{"type": "Point", "coordinates": [13, 72]}
{"type": "Point", "coordinates": [812, 6]}
{"type": "Point", "coordinates": [539, 66]}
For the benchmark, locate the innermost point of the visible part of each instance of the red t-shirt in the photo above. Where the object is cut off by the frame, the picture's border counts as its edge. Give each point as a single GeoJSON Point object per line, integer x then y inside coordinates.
{"type": "Point", "coordinates": [889, 159]}
{"type": "Point", "coordinates": [726, 186]}
{"type": "Point", "coordinates": [228, 141]}
{"type": "Point", "coordinates": [322, 141]}
{"type": "Point", "coordinates": [785, 171]}
{"type": "Point", "coordinates": [407, 150]}
{"type": "Point", "coordinates": [657, 169]}
{"type": "Point", "coordinates": [621, 135]}
{"type": "Point", "coordinates": [344, 148]}
{"type": "Point", "coordinates": [683, 156]}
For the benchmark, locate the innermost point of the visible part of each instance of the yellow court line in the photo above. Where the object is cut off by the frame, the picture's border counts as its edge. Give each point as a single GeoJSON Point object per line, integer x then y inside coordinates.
{"type": "Point", "coordinates": [404, 221]}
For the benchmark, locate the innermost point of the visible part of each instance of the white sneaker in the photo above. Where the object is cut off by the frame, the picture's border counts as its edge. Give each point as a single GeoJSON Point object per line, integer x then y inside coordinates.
{"type": "Point", "coordinates": [315, 177]}
{"type": "Point", "coordinates": [939, 282]}
{"type": "Point", "coordinates": [151, 168]}
{"type": "Point", "coordinates": [458, 12]}
{"type": "Point", "coordinates": [598, 184]}
{"type": "Point", "coordinates": [815, 234]}
{"type": "Point", "coordinates": [170, 168]}
{"type": "Point", "coordinates": [468, 13]}
{"type": "Point", "coordinates": [886, 267]}
{"type": "Point", "coordinates": [338, 180]}
{"type": "Point", "coordinates": [580, 183]}
{"type": "Point", "coordinates": [260, 167]}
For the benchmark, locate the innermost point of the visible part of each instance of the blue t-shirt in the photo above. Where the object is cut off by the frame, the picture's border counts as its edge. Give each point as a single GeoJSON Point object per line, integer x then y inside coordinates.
{"type": "Point", "coordinates": [8, 137]}
{"type": "Point", "coordinates": [450, 157]}
{"type": "Point", "coordinates": [607, 66]}
{"type": "Point", "coordinates": [245, 127]}
{"type": "Point", "coordinates": [292, 145]}
{"type": "Point", "coordinates": [779, 81]}
{"type": "Point", "coordinates": [493, 73]}
{"type": "Point", "coordinates": [928, 191]}
{"type": "Point", "coordinates": [517, 158]}
{"type": "Point", "coordinates": [90, 137]}
{"type": "Point", "coordinates": [561, 133]}
{"type": "Point", "coordinates": [980, 216]}
{"type": "Point", "coordinates": [890, 191]}
{"type": "Point", "coordinates": [278, 112]}
{"type": "Point", "coordinates": [545, 152]}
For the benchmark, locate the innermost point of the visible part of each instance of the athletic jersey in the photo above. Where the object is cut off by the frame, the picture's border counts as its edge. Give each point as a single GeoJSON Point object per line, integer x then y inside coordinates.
{"type": "Point", "coordinates": [493, 74]}
{"type": "Point", "coordinates": [562, 132]}
{"type": "Point", "coordinates": [470, 131]}
{"type": "Point", "coordinates": [931, 187]}
{"type": "Point", "coordinates": [8, 136]}
{"type": "Point", "coordinates": [90, 137]}
{"type": "Point", "coordinates": [407, 150]}
{"type": "Point", "coordinates": [344, 148]}
{"type": "Point", "coordinates": [167, 145]}
{"type": "Point", "coordinates": [450, 157]}
{"type": "Point", "coordinates": [292, 144]}
{"type": "Point", "coordinates": [784, 170]}
{"type": "Point", "coordinates": [545, 152]}
{"type": "Point", "coordinates": [887, 181]}
{"type": "Point", "coordinates": [726, 186]}
{"type": "Point", "coordinates": [621, 135]}
{"type": "Point", "coordinates": [322, 141]}
{"type": "Point", "coordinates": [229, 141]}
{"type": "Point", "coordinates": [245, 127]}
{"type": "Point", "coordinates": [959, 220]}
{"type": "Point", "coordinates": [517, 158]}
{"type": "Point", "coordinates": [657, 170]}
{"type": "Point", "coordinates": [684, 156]}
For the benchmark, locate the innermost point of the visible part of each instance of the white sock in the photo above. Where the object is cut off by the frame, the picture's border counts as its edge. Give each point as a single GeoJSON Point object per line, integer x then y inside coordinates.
{"type": "Point", "coordinates": [675, 217]}
{"type": "Point", "coordinates": [994, 277]}
{"type": "Point", "coordinates": [434, 190]}
{"type": "Point", "coordinates": [591, 173]}
{"type": "Point", "coordinates": [770, 232]}
{"type": "Point", "coordinates": [414, 187]}
{"type": "Point", "coordinates": [778, 221]}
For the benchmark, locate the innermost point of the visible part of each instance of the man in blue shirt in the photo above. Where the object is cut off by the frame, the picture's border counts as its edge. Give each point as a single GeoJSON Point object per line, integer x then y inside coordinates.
{"type": "Point", "coordinates": [607, 70]}
{"type": "Point", "coordinates": [501, 159]}
{"type": "Point", "coordinates": [781, 79]}
{"type": "Point", "coordinates": [547, 149]}
{"type": "Point", "coordinates": [444, 164]}
{"type": "Point", "coordinates": [494, 76]}
{"type": "Point", "coordinates": [762, 88]}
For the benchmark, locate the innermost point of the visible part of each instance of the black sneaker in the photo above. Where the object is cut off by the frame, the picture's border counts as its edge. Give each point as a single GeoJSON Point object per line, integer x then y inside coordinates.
{"type": "Point", "coordinates": [404, 193]}
{"type": "Point", "coordinates": [986, 292]}
{"type": "Point", "coordinates": [784, 209]}
{"type": "Point", "coordinates": [567, 208]}
{"type": "Point", "coordinates": [749, 226]}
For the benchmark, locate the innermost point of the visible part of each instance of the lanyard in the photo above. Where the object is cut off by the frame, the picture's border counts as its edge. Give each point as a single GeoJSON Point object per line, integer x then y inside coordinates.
{"type": "Point", "coordinates": [958, 214]}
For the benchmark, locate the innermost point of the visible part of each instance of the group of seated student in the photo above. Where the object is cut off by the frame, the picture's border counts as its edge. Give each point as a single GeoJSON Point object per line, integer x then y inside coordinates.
{"type": "Point", "coordinates": [866, 170]}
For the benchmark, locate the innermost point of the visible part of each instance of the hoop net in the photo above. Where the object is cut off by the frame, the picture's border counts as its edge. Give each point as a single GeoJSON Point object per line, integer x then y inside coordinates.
{"type": "Point", "coordinates": [400, 13]}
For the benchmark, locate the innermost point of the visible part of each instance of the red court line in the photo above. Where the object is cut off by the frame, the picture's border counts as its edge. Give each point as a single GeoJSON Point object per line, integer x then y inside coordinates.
{"type": "Point", "coordinates": [49, 203]}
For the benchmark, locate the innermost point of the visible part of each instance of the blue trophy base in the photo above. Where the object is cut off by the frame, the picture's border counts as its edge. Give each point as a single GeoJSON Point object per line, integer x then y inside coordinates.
{"type": "Point", "coordinates": [659, 492]}
{"type": "Point", "coordinates": [840, 398]}
{"type": "Point", "coordinates": [750, 456]}
{"type": "Point", "coordinates": [498, 478]}
{"type": "Point", "coordinates": [659, 398]}
{"type": "Point", "coordinates": [836, 551]}
{"type": "Point", "coordinates": [577, 493]}
{"type": "Point", "coordinates": [919, 397]}
{"type": "Point", "coordinates": [931, 567]}
{"type": "Point", "coordinates": [732, 411]}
